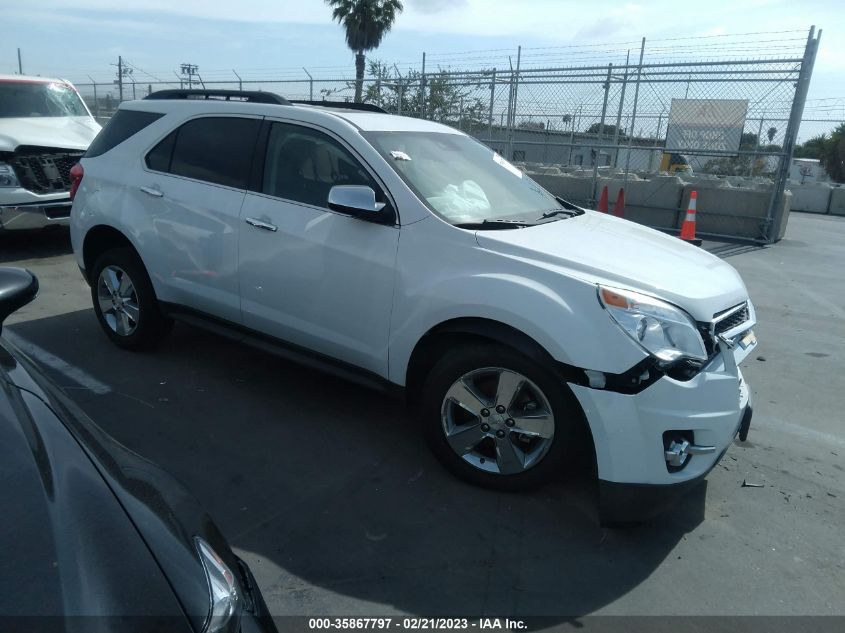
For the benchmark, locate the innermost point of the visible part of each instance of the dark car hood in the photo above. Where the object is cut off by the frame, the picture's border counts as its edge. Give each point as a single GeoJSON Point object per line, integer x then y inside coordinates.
{"type": "Point", "coordinates": [158, 513]}
{"type": "Point", "coordinates": [67, 547]}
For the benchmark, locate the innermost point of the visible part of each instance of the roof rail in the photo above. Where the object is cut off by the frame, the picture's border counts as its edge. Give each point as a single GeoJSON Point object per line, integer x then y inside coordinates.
{"type": "Point", "coordinates": [344, 105]}
{"type": "Point", "coordinates": [250, 96]}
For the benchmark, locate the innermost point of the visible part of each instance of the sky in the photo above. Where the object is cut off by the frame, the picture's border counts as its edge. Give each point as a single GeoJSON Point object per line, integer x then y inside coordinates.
{"type": "Point", "coordinates": [78, 39]}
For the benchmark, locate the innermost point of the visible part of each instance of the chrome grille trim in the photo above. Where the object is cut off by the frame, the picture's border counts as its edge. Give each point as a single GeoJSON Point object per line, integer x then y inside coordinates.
{"type": "Point", "coordinates": [731, 318]}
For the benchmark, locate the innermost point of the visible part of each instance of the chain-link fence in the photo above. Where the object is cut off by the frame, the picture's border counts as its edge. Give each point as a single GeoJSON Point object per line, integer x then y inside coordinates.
{"type": "Point", "coordinates": [655, 128]}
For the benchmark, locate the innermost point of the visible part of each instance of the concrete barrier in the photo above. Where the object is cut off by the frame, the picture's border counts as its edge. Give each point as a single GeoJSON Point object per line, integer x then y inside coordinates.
{"type": "Point", "coordinates": [837, 201]}
{"type": "Point", "coordinates": [735, 211]}
{"type": "Point", "coordinates": [813, 197]}
{"type": "Point", "coordinates": [653, 202]}
{"type": "Point", "coordinates": [735, 207]}
{"type": "Point", "coordinates": [573, 188]}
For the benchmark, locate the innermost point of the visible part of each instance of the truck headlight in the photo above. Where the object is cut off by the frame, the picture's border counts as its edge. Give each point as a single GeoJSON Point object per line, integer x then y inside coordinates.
{"type": "Point", "coordinates": [222, 588]}
{"type": "Point", "coordinates": [7, 176]}
{"type": "Point", "coordinates": [660, 328]}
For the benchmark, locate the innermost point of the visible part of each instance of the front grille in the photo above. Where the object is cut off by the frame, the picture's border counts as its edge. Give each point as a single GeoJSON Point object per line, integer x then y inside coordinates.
{"type": "Point", "coordinates": [45, 173]}
{"type": "Point", "coordinates": [732, 318]}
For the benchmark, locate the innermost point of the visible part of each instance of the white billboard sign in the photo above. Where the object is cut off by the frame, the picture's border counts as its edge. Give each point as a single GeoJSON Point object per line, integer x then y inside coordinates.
{"type": "Point", "coordinates": [706, 124]}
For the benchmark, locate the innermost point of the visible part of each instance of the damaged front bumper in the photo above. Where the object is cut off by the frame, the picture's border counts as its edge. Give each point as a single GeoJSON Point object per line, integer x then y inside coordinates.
{"type": "Point", "coordinates": [638, 437]}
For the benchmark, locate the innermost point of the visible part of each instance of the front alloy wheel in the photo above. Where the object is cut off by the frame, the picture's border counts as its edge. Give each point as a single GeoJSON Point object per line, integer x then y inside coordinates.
{"type": "Point", "coordinates": [497, 420]}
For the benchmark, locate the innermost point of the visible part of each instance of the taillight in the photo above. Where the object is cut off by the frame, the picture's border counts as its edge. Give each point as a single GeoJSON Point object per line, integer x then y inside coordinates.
{"type": "Point", "coordinates": [76, 174]}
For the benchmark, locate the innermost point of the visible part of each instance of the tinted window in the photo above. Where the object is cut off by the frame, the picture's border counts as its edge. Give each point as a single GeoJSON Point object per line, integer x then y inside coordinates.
{"type": "Point", "coordinates": [121, 126]}
{"type": "Point", "coordinates": [303, 165]}
{"type": "Point", "coordinates": [159, 157]}
{"type": "Point", "coordinates": [215, 149]}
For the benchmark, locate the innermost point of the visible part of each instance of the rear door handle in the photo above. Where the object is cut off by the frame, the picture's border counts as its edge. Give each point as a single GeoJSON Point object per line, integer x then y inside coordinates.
{"type": "Point", "coordinates": [261, 225]}
{"type": "Point", "coordinates": [150, 191]}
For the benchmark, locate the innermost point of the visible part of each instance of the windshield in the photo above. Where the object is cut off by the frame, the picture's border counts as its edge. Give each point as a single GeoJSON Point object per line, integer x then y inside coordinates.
{"type": "Point", "coordinates": [460, 179]}
{"type": "Point", "coordinates": [39, 99]}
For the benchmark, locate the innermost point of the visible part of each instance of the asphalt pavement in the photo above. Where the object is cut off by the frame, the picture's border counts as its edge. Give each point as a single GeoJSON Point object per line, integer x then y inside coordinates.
{"type": "Point", "coordinates": [329, 493]}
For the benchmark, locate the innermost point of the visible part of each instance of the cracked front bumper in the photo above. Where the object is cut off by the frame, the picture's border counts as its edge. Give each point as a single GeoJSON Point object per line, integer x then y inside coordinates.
{"type": "Point", "coordinates": [628, 429]}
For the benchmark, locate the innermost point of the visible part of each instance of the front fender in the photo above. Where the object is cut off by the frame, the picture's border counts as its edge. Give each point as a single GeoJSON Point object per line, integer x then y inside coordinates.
{"type": "Point", "coordinates": [560, 313]}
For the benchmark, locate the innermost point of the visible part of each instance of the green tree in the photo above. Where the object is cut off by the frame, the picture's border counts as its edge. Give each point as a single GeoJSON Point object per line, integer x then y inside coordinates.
{"type": "Point", "coordinates": [445, 100]}
{"type": "Point", "coordinates": [833, 154]}
{"type": "Point", "coordinates": [366, 22]}
{"type": "Point", "coordinates": [811, 148]}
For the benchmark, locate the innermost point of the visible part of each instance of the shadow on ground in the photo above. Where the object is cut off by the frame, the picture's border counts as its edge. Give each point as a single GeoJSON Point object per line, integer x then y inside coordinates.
{"type": "Point", "coordinates": [27, 245]}
{"type": "Point", "coordinates": [327, 488]}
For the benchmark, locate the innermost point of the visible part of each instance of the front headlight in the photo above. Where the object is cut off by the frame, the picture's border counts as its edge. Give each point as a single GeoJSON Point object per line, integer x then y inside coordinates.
{"type": "Point", "coordinates": [660, 328]}
{"type": "Point", "coordinates": [8, 178]}
{"type": "Point", "coordinates": [222, 588]}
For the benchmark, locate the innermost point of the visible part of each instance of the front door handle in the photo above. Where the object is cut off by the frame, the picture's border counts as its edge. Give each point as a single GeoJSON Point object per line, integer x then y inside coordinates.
{"type": "Point", "coordinates": [261, 225]}
{"type": "Point", "coordinates": [150, 191]}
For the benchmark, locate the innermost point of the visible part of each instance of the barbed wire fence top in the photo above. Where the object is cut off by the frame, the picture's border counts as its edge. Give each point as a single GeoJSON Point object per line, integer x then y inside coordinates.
{"type": "Point", "coordinates": [592, 107]}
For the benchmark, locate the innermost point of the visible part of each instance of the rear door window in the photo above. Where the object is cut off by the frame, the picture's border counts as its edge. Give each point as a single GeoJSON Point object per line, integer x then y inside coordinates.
{"type": "Point", "coordinates": [218, 150]}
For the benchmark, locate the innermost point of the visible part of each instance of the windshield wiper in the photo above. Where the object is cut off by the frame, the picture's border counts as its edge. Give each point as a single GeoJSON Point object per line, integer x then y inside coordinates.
{"type": "Point", "coordinates": [569, 210]}
{"type": "Point", "coordinates": [495, 224]}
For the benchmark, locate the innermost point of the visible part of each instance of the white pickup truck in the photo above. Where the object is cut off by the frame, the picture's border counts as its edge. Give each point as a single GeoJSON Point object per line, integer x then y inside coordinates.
{"type": "Point", "coordinates": [45, 128]}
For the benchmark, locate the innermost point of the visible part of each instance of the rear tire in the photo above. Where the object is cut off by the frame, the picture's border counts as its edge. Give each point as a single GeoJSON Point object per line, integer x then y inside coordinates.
{"type": "Point", "coordinates": [497, 419]}
{"type": "Point", "coordinates": [125, 302]}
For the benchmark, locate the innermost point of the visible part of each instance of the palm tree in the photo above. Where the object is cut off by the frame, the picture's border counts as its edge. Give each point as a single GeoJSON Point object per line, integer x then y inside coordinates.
{"type": "Point", "coordinates": [366, 23]}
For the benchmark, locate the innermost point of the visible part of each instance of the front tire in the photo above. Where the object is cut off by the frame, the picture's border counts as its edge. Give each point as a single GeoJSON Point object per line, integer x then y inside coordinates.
{"type": "Point", "coordinates": [125, 302]}
{"type": "Point", "coordinates": [498, 419]}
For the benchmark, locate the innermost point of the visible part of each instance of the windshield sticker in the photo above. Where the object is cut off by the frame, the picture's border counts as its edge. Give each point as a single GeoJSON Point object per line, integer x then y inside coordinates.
{"type": "Point", "coordinates": [511, 168]}
{"type": "Point", "coordinates": [399, 155]}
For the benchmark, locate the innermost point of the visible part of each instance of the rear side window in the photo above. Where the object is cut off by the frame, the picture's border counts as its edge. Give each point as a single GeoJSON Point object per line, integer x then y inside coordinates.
{"type": "Point", "coordinates": [159, 157]}
{"type": "Point", "coordinates": [214, 149]}
{"type": "Point", "coordinates": [121, 126]}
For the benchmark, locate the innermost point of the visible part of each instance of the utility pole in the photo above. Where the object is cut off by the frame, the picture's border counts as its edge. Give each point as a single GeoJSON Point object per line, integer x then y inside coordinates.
{"type": "Point", "coordinates": [20, 65]}
{"type": "Point", "coordinates": [123, 71]}
{"type": "Point", "coordinates": [120, 78]}
{"type": "Point", "coordinates": [190, 70]}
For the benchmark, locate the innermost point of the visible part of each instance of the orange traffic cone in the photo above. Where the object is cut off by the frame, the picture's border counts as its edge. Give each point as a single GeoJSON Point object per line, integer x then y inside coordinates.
{"type": "Point", "coordinates": [619, 207]}
{"type": "Point", "coordinates": [688, 227]}
{"type": "Point", "coordinates": [602, 208]}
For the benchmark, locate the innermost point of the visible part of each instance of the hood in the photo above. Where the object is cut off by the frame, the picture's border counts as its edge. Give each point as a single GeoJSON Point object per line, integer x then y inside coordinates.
{"type": "Point", "coordinates": [601, 248]}
{"type": "Point", "coordinates": [68, 132]}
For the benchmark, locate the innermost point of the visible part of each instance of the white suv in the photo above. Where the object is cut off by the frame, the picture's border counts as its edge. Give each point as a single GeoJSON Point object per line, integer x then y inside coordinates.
{"type": "Point", "coordinates": [406, 255]}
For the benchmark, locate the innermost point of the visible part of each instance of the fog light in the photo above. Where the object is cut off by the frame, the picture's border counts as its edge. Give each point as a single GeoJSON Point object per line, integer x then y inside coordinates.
{"type": "Point", "coordinates": [678, 448]}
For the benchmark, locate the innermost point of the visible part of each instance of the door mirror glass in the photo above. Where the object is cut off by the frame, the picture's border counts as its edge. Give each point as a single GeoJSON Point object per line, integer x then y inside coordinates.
{"type": "Point", "coordinates": [357, 200]}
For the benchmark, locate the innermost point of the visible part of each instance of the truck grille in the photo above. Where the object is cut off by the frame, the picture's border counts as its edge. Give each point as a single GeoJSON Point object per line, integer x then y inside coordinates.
{"type": "Point", "coordinates": [47, 172]}
{"type": "Point", "coordinates": [730, 318]}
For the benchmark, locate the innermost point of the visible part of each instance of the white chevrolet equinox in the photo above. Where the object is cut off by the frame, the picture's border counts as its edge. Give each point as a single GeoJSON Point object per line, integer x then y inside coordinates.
{"type": "Point", "coordinates": [527, 332]}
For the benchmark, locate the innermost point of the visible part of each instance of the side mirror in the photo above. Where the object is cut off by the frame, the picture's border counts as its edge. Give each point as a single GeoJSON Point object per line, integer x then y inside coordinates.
{"type": "Point", "coordinates": [17, 288]}
{"type": "Point", "coordinates": [357, 200]}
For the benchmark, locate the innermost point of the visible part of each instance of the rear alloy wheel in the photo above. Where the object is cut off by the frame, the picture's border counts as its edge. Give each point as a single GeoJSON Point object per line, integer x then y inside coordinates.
{"type": "Point", "coordinates": [118, 300]}
{"type": "Point", "coordinates": [498, 419]}
{"type": "Point", "coordinates": [125, 302]}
